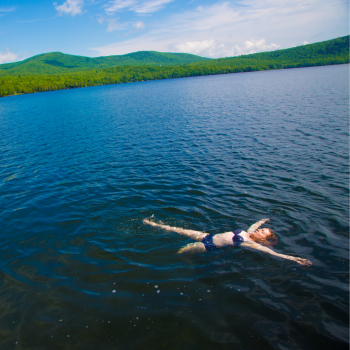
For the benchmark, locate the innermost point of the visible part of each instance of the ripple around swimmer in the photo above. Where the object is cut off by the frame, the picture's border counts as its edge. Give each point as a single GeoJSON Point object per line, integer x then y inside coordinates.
{"type": "Point", "coordinates": [82, 168]}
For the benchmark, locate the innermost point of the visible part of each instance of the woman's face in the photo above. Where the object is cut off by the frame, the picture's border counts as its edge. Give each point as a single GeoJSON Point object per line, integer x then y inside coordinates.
{"type": "Point", "coordinates": [262, 233]}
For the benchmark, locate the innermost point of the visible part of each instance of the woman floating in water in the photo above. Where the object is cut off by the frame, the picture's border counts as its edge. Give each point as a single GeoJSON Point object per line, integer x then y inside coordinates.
{"type": "Point", "coordinates": [254, 238]}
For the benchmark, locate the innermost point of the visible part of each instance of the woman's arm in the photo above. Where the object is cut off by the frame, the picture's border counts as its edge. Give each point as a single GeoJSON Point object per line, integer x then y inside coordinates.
{"type": "Point", "coordinates": [255, 226]}
{"type": "Point", "coordinates": [196, 235]}
{"type": "Point", "coordinates": [272, 252]}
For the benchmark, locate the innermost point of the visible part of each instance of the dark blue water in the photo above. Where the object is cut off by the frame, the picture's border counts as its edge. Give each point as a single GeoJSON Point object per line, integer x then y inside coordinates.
{"type": "Point", "coordinates": [80, 169]}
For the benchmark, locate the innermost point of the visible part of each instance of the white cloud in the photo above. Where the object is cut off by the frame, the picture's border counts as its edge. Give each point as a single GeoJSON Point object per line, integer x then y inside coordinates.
{"type": "Point", "coordinates": [306, 42]}
{"type": "Point", "coordinates": [137, 6]}
{"type": "Point", "coordinates": [7, 56]}
{"type": "Point", "coordinates": [70, 7]}
{"type": "Point", "coordinates": [205, 47]}
{"type": "Point", "coordinates": [7, 9]}
{"type": "Point", "coordinates": [207, 18]}
{"type": "Point", "coordinates": [254, 46]}
{"type": "Point", "coordinates": [150, 6]}
{"type": "Point", "coordinates": [204, 31]}
{"type": "Point", "coordinates": [139, 25]}
{"type": "Point", "coordinates": [212, 48]}
{"type": "Point", "coordinates": [229, 29]}
{"type": "Point", "coordinates": [112, 23]}
{"type": "Point", "coordinates": [116, 5]}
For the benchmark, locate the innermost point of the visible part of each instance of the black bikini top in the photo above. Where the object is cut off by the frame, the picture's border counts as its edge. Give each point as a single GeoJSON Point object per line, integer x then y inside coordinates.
{"type": "Point", "coordinates": [237, 239]}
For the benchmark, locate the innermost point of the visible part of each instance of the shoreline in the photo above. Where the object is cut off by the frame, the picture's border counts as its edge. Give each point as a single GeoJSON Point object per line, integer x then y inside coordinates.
{"type": "Point", "coordinates": [247, 69]}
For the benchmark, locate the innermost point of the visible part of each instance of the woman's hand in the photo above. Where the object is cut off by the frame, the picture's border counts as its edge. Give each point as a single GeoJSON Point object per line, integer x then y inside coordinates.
{"type": "Point", "coordinates": [303, 261]}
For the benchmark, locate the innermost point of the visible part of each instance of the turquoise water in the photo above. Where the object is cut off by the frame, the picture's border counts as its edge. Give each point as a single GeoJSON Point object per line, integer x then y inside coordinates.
{"type": "Point", "coordinates": [81, 168]}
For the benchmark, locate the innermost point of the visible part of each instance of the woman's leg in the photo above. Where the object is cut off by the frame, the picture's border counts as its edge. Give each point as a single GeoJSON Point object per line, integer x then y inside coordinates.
{"type": "Point", "coordinates": [196, 235]}
{"type": "Point", "coordinates": [196, 247]}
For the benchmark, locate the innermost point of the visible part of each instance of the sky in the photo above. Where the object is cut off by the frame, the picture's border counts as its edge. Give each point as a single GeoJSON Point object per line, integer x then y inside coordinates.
{"type": "Point", "coordinates": [206, 28]}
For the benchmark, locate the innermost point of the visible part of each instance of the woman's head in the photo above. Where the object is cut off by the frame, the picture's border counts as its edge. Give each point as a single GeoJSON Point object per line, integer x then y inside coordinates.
{"type": "Point", "coordinates": [264, 236]}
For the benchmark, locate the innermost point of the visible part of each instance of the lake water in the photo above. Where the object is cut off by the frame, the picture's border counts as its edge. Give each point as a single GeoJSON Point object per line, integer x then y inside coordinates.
{"type": "Point", "coordinates": [80, 169]}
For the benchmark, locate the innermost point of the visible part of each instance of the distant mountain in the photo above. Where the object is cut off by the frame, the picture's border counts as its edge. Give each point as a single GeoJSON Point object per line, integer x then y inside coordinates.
{"type": "Point", "coordinates": [57, 62]}
{"type": "Point", "coordinates": [335, 49]}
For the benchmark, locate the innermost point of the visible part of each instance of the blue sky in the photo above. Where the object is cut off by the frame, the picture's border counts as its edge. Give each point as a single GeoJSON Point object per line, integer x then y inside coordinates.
{"type": "Point", "coordinates": [202, 27]}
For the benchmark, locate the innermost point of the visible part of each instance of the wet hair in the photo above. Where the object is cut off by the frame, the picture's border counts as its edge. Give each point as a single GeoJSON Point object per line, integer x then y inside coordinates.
{"type": "Point", "coordinates": [270, 240]}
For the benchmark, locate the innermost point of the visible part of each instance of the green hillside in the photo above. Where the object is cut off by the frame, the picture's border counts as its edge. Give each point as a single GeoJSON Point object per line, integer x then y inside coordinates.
{"type": "Point", "coordinates": [335, 49]}
{"type": "Point", "coordinates": [329, 52]}
{"type": "Point", "coordinates": [58, 63]}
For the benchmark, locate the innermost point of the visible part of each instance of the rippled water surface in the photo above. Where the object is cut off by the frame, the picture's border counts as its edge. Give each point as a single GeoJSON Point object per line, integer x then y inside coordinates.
{"type": "Point", "coordinates": [81, 168]}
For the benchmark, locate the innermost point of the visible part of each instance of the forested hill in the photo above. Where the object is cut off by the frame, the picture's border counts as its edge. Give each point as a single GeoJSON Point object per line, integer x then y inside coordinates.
{"type": "Point", "coordinates": [329, 52]}
{"type": "Point", "coordinates": [57, 62]}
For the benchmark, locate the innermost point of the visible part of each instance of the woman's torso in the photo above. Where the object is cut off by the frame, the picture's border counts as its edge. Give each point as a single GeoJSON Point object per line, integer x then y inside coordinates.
{"type": "Point", "coordinates": [227, 238]}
